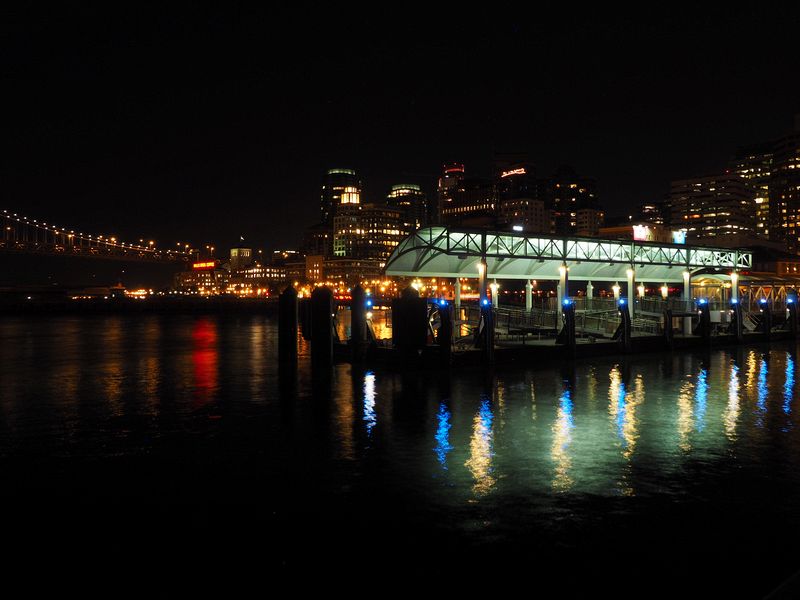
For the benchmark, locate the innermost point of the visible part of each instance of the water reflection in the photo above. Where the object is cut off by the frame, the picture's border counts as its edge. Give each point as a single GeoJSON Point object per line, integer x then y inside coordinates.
{"type": "Point", "coordinates": [370, 419]}
{"type": "Point", "coordinates": [763, 390]}
{"type": "Point", "coordinates": [731, 415]}
{"type": "Point", "coordinates": [204, 359]}
{"type": "Point", "coordinates": [685, 416]}
{"type": "Point", "coordinates": [111, 370]}
{"type": "Point", "coordinates": [788, 386]}
{"type": "Point", "coordinates": [149, 372]}
{"type": "Point", "coordinates": [616, 400]}
{"type": "Point", "coordinates": [481, 452]}
{"type": "Point", "coordinates": [443, 435]}
{"type": "Point", "coordinates": [701, 398]}
{"type": "Point", "coordinates": [622, 407]}
{"type": "Point", "coordinates": [562, 438]}
{"type": "Point", "coordinates": [529, 434]}
{"type": "Point", "coordinates": [258, 344]}
{"type": "Point", "coordinates": [591, 385]}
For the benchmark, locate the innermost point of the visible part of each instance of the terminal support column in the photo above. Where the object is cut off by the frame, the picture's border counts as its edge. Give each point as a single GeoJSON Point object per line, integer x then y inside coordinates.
{"type": "Point", "coordinates": [482, 280]}
{"type": "Point", "coordinates": [563, 287]}
{"type": "Point", "coordinates": [631, 290]}
{"type": "Point", "coordinates": [687, 296]}
{"type": "Point", "coordinates": [528, 295]}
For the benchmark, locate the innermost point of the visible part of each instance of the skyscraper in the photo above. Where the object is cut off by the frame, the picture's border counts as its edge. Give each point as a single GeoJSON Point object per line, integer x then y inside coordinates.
{"type": "Point", "coordinates": [449, 182]}
{"type": "Point", "coordinates": [568, 194]}
{"type": "Point", "coordinates": [465, 201]}
{"type": "Point", "coordinates": [785, 189]}
{"type": "Point", "coordinates": [754, 164]}
{"type": "Point", "coordinates": [340, 187]}
{"type": "Point", "coordinates": [408, 199]}
{"type": "Point", "coordinates": [521, 198]}
{"type": "Point", "coordinates": [366, 231]}
{"type": "Point", "coordinates": [716, 209]}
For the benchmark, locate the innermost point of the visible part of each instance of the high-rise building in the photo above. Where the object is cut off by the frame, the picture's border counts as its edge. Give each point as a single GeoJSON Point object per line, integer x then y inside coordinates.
{"type": "Point", "coordinates": [754, 164]}
{"type": "Point", "coordinates": [588, 221]}
{"type": "Point", "coordinates": [784, 190]}
{"type": "Point", "coordinates": [568, 193]}
{"type": "Point", "coordinates": [717, 209]}
{"type": "Point", "coordinates": [521, 199]}
{"type": "Point", "coordinates": [465, 201]}
{"type": "Point", "coordinates": [449, 182]}
{"type": "Point", "coordinates": [341, 187]}
{"type": "Point", "coordinates": [408, 199]}
{"type": "Point", "coordinates": [367, 231]}
{"type": "Point", "coordinates": [652, 212]}
{"type": "Point", "coordinates": [318, 240]}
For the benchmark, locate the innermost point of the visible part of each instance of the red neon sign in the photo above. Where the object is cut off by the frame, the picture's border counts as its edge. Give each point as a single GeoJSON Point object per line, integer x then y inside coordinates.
{"type": "Point", "coordinates": [204, 265]}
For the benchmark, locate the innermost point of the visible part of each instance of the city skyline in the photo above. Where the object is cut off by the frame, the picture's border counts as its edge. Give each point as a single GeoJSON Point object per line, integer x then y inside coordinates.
{"type": "Point", "coordinates": [400, 293]}
{"type": "Point", "coordinates": [229, 137]}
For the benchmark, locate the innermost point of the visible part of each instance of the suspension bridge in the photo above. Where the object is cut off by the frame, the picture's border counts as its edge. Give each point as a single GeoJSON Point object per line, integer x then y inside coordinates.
{"type": "Point", "coordinates": [24, 235]}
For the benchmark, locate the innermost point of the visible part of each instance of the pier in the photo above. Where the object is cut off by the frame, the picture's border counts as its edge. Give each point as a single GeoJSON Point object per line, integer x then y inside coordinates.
{"type": "Point", "coordinates": [573, 323]}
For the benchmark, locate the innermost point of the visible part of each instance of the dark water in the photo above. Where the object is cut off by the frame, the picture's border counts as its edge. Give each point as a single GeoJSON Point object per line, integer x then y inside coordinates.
{"type": "Point", "coordinates": [170, 453]}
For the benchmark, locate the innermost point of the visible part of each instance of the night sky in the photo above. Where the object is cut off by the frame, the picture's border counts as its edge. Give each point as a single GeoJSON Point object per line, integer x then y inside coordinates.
{"type": "Point", "coordinates": [196, 125]}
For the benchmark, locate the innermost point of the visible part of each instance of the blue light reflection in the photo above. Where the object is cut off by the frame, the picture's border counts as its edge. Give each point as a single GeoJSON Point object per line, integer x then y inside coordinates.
{"type": "Point", "coordinates": [443, 435]}
{"type": "Point", "coordinates": [701, 398]}
{"type": "Point", "coordinates": [762, 388]}
{"type": "Point", "coordinates": [788, 386]}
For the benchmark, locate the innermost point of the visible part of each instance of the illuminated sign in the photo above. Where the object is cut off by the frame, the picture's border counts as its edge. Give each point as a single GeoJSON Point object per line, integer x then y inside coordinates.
{"type": "Point", "coordinates": [679, 236]}
{"type": "Point", "coordinates": [204, 265]}
{"type": "Point", "coordinates": [513, 172]}
{"type": "Point", "coordinates": [642, 233]}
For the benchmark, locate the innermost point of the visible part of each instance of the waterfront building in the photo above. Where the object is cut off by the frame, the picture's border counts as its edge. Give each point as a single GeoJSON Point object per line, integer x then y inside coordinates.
{"type": "Point", "coordinates": [313, 268]}
{"type": "Point", "coordinates": [716, 209]}
{"type": "Point", "coordinates": [205, 277]}
{"type": "Point", "coordinates": [641, 231]}
{"type": "Point", "coordinates": [241, 258]}
{"type": "Point", "coordinates": [772, 169]}
{"type": "Point", "coordinates": [350, 272]}
{"type": "Point", "coordinates": [258, 276]}
{"type": "Point", "coordinates": [784, 192]}
{"type": "Point", "coordinates": [368, 231]}
{"type": "Point", "coordinates": [296, 269]}
{"type": "Point", "coordinates": [753, 163]}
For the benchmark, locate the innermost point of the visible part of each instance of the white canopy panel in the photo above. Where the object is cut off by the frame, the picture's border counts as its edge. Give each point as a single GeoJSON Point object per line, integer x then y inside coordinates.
{"type": "Point", "coordinates": [446, 252]}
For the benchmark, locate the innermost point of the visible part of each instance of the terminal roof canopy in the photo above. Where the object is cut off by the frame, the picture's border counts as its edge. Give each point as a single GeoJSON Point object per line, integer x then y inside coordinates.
{"type": "Point", "coordinates": [448, 252]}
